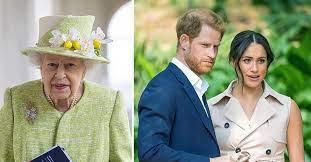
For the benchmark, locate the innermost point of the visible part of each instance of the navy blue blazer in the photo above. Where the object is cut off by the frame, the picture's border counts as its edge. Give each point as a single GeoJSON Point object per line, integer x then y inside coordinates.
{"type": "Point", "coordinates": [173, 125]}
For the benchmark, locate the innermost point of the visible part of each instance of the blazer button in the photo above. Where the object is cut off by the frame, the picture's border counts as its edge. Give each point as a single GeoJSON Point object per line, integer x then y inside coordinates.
{"type": "Point", "coordinates": [237, 150]}
{"type": "Point", "coordinates": [268, 152]}
{"type": "Point", "coordinates": [226, 125]}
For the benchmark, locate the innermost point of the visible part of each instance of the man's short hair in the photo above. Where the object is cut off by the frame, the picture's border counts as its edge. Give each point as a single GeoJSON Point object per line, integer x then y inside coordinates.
{"type": "Point", "coordinates": [191, 22]}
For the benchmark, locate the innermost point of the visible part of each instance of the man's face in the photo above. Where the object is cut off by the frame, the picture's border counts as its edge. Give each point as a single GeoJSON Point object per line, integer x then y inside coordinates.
{"type": "Point", "coordinates": [201, 51]}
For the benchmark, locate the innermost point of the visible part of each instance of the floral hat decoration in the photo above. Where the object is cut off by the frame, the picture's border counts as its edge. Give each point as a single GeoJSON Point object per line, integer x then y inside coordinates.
{"type": "Point", "coordinates": [70, 36]}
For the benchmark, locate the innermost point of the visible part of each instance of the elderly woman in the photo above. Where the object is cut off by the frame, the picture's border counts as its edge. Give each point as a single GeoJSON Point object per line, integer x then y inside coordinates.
{"type": "Point", "coordinates": [62, 109]}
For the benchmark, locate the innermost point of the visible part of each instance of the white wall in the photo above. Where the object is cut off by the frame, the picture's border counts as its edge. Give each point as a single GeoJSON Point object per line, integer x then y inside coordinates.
{"type": "Point", "coordinates": [121, 54]}
{"type": "Point", "coordinates": [16, 31]}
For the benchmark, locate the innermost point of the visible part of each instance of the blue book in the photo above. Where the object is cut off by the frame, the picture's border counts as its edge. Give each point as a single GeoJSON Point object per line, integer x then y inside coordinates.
{"type": "Point", "coordinates": [55, 154]}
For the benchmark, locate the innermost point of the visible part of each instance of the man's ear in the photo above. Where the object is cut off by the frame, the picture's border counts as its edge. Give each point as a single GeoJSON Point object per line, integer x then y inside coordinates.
{"type": "Point", "coordinates": [184, 42]}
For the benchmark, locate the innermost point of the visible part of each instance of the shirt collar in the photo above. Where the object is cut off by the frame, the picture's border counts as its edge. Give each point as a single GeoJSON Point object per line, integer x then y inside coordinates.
{"type": "Point", "coordinates": [268, 91]}
{"type": "Point", "coordinates": [197, 82]}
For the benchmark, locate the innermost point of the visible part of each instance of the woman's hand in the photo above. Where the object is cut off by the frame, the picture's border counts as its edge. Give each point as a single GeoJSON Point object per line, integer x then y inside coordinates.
{"type": "Point", "coordinates": [222, 159]}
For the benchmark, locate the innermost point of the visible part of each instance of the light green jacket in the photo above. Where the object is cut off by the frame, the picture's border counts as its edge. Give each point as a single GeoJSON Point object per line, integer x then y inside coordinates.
{"type": "Point", "coordinates": [96, 129]}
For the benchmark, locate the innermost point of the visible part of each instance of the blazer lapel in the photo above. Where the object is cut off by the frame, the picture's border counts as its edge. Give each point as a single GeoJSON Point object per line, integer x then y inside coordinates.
{"type": "Point", "coordinates": [194, 98]}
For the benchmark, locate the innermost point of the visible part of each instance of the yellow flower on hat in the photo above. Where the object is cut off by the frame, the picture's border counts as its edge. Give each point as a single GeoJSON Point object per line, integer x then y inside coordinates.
{"type": "Point", "coordinates": [96, 43]}
{"type": "Point", "coordinates": [76, 45]}
{"type": "Point", "coordinates": [68, 44]}
{"type": "Point", "coordinates": [66, 40]}
{"type": "Point", "coordinates": [99, 38]}
{"type": "Point", "coordinates": [86, 46]}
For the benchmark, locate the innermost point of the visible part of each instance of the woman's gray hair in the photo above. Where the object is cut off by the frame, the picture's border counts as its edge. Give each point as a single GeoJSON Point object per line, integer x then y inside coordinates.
{"type": "Point", "coordinates": [36, 60]}
{"type": "Point", "coordinates": [90, 64]}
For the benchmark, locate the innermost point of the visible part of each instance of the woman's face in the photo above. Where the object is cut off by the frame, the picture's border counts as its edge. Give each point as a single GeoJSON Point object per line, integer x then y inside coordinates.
{"type": "Point", "coordinates": [61, 76]}
{"type": "Point", "coordinates": [253, 65]}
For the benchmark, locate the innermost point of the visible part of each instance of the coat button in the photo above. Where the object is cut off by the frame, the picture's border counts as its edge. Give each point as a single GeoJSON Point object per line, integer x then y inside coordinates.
{"type": "Point", "coordinates": [268, 152]}
{"type": "Point", "coordinates": [226, 125]}
{"type": "Point", "coordinates": [237, 150]}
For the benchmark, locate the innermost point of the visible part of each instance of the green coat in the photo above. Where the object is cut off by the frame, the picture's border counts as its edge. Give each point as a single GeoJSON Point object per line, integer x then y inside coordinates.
{"type": "Point", "coordinates": [96, 129]}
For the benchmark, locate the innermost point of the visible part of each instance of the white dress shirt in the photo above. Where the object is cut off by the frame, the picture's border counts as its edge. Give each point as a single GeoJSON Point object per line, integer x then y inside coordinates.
{"type": "Point", "coordinates": [199, 84]}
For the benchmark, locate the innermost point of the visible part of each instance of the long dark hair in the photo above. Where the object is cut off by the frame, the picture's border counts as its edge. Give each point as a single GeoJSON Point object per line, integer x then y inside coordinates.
{"type": "Point", "coordinates": [241, 42]}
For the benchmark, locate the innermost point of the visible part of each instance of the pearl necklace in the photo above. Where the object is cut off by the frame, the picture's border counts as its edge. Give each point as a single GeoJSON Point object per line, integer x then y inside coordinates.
{"type": "Point", "coordinates": [73, 103]}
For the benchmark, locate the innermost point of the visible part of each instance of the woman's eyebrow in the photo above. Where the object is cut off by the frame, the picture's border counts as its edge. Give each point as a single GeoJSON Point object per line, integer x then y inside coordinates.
{"type": "Point", "coordinates": [247, 57]}
{"type": "Point", "coordinates": [253, 57]}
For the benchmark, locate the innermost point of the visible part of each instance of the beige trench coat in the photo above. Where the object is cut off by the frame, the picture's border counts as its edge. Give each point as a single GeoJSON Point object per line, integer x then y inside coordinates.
{"type": "Point", "coordinates": [263, 137]}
